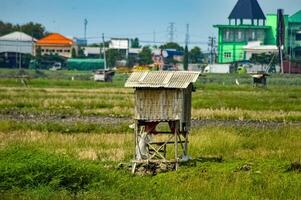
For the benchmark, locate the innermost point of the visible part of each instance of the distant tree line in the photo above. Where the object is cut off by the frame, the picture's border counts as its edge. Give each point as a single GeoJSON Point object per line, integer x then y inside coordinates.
{"type": "Point", "coordinates": [35, 30]}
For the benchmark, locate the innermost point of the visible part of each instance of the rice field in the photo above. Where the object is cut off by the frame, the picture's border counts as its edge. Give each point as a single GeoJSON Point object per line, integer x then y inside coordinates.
{"type": "Point", "coordinates": [63, 139]}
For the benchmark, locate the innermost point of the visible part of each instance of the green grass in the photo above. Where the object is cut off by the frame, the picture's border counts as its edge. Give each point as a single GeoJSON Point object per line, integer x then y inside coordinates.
{"type": "Point", "coordinates": [31, 170]}
{"type": "Point", "coordinates": [278, 103]}
{"type": "Point", "coordinates": [64, 127]}
{"type": "Point", "coordinates": [217, 96]}
{"type": "Point", "coordinates": [43, 156]}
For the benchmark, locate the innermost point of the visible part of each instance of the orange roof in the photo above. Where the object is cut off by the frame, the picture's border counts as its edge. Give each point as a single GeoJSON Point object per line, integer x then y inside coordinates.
{"type": "Point", "coordinates": [55, 39]}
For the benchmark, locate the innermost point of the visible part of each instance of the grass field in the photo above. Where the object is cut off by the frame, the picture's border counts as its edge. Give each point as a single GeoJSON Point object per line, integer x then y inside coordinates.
{"type": "Point", "coordinates": [63, 139]}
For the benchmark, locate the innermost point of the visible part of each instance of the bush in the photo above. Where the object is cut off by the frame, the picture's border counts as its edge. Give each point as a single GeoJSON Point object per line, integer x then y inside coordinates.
{"type": "Point", "coordinates": [24, 168]}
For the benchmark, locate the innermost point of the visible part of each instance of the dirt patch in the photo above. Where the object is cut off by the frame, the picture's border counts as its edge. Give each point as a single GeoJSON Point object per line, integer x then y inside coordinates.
{"type": "Point", "coordinates": [294, 166]}
{"type": "Point", "coordinates": [40, 118]}
{"type": "Point", "coordinates": [150, 169]}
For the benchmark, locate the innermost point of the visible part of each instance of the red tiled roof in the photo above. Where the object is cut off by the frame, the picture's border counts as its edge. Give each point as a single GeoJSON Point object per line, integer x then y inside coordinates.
{"type": "Point", "coordinates": [55, 39]}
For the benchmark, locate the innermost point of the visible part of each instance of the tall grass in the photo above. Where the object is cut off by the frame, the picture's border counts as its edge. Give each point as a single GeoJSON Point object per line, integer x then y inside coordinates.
{"type": "Point", "coordinates": [37, 165]}
{"type": "Point", "coordinates": [209, 102]}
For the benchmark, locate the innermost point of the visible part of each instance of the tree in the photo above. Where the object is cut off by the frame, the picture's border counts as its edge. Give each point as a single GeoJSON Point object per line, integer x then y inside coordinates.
{"type": "Point", "coordinates": [73, 53]}
{"type": "Point", "coordinates": [196, 55]}
{"type": "Point", "coordinates": [172, 45]}
{"type": "Point", "coordinates": [145, 56]}
{"type": "Point", "coordinates": [132, 60]}
{"type": "Point", "coordinates": [6, 28]}
{"type": "Point", "coordinates": [81, 53]}
{"type": "Point", "coordinates": [35, 30]}
{"type": "Point", "coordinates": [264, 59]}
{"type": "Point", "coordinates": [135, 43]}
{"type": "Point", "coordinates": [112, 55]}
{"type": "Point", "coordinates": [185, 61]}
{"type": "Point", "coordinates": [38, 52]}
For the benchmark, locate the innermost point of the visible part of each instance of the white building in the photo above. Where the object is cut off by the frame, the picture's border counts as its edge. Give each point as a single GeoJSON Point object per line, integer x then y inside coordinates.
{"type": "Point", "coordinates": [17, 42]}
{"type": "Point", "coordinates": [256, 47]}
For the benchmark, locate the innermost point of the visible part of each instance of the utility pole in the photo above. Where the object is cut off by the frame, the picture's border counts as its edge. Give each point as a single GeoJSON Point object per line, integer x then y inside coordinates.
{"type": "Point", "coordinates": [187, 37]}
{"type": "Point", "coordinates": [280, 37]}
{"type": "Point", "coordinates": [85, 29]}
{"type": "Point", "coordinates": [291, 51]}
{"type": "Point", "coordinates": [154, 37]}
{"type": "Point", "coordinates": [20, 55]}
{"type": "Point", "coordinates": [211, 45]}
{"type": "Point", "coordinates": [104, 51]}
{"type": "Point", "coordinates": [171, 31]}
{"type": "Point", "coordinates": [186, 52]}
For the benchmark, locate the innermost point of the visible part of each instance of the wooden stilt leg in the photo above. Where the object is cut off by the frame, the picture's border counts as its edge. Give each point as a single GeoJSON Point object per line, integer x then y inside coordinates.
{"type": "Point", "coordinates": [176, 145]}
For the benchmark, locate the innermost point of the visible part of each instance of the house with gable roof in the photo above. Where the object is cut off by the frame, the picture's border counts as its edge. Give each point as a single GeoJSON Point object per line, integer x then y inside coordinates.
{"type": "Point", "coordinates": [58, 44]}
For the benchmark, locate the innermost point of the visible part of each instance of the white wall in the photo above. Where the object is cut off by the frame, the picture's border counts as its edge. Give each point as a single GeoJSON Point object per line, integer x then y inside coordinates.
{"type": "Point", "coordinates": [26, 47]}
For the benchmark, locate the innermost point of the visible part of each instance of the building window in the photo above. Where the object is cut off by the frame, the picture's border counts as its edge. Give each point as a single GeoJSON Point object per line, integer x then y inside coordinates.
{"type": "Point", "coordinates": [227, 55]}
{"type": "Point", "coordinates": [260, 35]}
{"type": "Point", "coordinates": [298, 36]}
{"type": "Point", "coordinates": [239, 36]}
{"type": "Point", "coordinates": [228, 35]}
{"type": "Point", "coordinates": [298, 52]}
{"type": "Point", "coordinates": [242, 55]}
{"type": "Point", "coordinates": [252, 35]}
{"type": "Point", "coordinates": [47, 50]}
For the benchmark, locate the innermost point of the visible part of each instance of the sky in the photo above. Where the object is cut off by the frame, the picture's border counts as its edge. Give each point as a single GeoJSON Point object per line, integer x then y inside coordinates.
{"type": "Point", "coordinates": [146, 19]}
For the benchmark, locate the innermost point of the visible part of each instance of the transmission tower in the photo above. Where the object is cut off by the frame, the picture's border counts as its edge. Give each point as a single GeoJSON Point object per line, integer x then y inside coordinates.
{"type": "Point", "coordinates": [171, 31]}
{"type": "Point", "coordinates": [212, 46]}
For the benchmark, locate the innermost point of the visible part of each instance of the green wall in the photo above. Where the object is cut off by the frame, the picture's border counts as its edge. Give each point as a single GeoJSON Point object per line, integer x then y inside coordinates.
{"type": "Point", "coordinates": [234, 49]}
{"type": "Point", "coordinates": [272, 32]}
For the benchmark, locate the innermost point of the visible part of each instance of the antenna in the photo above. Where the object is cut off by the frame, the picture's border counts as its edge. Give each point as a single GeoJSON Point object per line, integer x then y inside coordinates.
{"type": "Point", "coordinates": [171, 31]}
{"type": "Point", "coordinates": [85, 29]}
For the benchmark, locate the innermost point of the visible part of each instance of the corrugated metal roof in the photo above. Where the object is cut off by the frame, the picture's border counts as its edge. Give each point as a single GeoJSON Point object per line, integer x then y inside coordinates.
{"type": "Point", "coordinates": [162, 79]}
{"type": "Point", "coordinates": [18, 36]}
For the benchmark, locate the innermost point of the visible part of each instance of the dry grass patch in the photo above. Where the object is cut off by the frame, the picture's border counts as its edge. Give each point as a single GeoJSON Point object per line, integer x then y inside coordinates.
{"type": "Point", "coordinates": [104, 147]}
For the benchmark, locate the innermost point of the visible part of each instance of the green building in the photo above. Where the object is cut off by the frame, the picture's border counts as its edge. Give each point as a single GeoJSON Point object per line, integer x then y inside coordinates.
{"type": "Point", "coordinates": [250, 31]}
{"type": "Point", "coordinates": [294, 37]}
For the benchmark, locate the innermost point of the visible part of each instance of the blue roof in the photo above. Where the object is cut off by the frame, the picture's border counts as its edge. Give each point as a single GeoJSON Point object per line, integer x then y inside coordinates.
{"type": "Point", "coordinates": [172, 52]}
{"type": "Point", "coordinates": [247, 9]}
